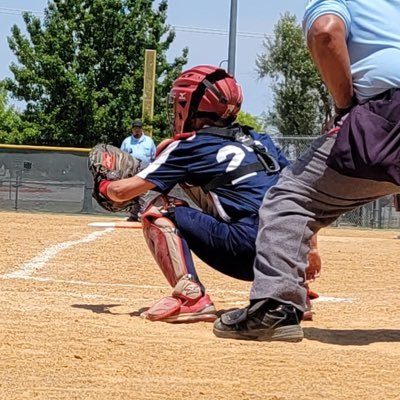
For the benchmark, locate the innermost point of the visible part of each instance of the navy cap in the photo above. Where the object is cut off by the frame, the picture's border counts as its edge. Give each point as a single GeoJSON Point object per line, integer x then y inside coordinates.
{"type": "Point", "coordinates": [137, 123]}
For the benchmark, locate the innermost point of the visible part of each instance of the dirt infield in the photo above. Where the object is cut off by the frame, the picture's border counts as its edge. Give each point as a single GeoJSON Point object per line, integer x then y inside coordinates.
{"type": "Point", "coordinates": [71, 296]}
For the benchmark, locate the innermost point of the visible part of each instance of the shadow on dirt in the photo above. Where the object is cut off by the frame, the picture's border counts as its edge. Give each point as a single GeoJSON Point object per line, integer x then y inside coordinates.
{"type": "Point", "coordinates": [108, 309]}
{"type": "Point", "coordinates": [352, 337]}
{"type": "Point", "coordinates": [96, 308]}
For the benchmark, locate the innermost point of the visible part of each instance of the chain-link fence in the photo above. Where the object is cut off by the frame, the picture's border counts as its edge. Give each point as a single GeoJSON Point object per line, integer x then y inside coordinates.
{"type": "Point", "coordinates": [45, 179]}
{"type": "Point", "coordinates": [39, 178]}
{"type": "Point", "coordinates": [293, 146]}
{"type": "Point", "coordinates": [378, 214]}
{"type": "Point", "coordinates": [34, 178]}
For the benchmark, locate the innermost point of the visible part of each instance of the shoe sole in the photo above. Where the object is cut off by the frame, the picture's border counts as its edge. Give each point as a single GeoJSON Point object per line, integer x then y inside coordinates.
{"type": "Point", "coordinates": [190, 318]}
{"type": "Point", "coordinates": [290, 333]}
{"type": "Point", "coordinates": [208, 314]}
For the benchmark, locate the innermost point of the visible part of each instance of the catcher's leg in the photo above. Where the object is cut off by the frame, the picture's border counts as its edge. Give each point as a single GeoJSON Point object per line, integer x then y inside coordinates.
{"type": "Point", "coordinates": [230, 247]}
{"type": "Point", "coordinates": [189, 302]}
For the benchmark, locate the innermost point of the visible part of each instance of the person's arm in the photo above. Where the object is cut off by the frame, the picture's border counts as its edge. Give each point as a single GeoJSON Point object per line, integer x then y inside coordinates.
{"type": "Point", "coordinates": [326, 41]}
{"type": "Point", "coordinates": [126, 189]}
{"type": "Point", "coordinates": [123, 147]}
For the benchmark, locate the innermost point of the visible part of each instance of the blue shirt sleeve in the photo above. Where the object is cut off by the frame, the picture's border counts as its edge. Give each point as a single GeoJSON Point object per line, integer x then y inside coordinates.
{"type": "Point", "coordinates": [153, 150]}
{"type": "Point", "coordinates": [275, 151]}
{"type": "Point", "coordinates": [169, 168]}
{"type": "Point", "coordinates": [282, 160]}
{"type": "Point", "coordinates": [317, 8]}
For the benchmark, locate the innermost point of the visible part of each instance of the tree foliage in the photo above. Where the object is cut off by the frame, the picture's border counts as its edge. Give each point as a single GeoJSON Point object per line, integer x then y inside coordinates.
{"type": "Point", "coordinates": [13, 130]}
{"type": "Point", "coordinates": [245, 118]}
{"type": "Point", "coordinates": [301, 101]}
{"type": "Point", "coordinates": [80, 70]}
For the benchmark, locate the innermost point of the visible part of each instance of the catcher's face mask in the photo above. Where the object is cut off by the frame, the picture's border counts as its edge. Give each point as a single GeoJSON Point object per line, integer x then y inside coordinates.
{"type": "Point", "coordinates": [180, 112]}
{"type": "Point", "coordinates": [169, 105]}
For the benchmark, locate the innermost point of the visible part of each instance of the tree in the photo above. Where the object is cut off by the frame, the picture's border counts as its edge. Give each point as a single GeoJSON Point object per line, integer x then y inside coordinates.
{"type": "Point", "coordinates": [301, 100]}
{"type": "Point", "coordinates": [81, 70]}
{"type": "Point", "coordinates": [12, 129]}
{"type": "Point", "coordinates": [245, 118]}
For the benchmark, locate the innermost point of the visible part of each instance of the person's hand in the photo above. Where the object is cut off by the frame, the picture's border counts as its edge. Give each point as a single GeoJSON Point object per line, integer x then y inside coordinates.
{"type": "Point", "coordinates": [313, 269]}
{"type": "Point", "coordinates": [339, 117]}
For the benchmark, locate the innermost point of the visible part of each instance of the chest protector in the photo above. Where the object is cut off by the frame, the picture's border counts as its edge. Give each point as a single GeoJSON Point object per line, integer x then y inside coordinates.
{"type": "Point", "coordinates": [265, 161]}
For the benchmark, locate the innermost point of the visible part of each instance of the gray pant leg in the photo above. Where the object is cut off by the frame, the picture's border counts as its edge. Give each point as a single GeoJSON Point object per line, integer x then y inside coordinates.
{"type": "Point", "coordinates": [308, 196]}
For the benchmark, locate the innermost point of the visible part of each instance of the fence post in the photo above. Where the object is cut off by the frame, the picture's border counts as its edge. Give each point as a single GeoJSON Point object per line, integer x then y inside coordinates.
{"type": "Point", "coordinates": [376, 220]}
{"type": "Point", "coordinates": [18, 179]}
{"type": "Point", "coordinates": [87, 195]}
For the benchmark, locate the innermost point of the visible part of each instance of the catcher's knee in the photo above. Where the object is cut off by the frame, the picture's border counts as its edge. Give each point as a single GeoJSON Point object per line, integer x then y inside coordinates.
{"type": "Point", "coordinates": [163, 206]}
{"type": "Point", "coordinates": [163, 240]}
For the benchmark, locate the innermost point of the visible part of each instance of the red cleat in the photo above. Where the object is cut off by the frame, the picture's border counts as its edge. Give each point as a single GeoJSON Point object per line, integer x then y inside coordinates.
{"type": "Point", "coordinates": [187, 304]}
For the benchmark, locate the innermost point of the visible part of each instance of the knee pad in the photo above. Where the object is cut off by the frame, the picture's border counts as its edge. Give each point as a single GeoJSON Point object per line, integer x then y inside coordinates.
{"type": "Point", "coordinates": [165, 244]}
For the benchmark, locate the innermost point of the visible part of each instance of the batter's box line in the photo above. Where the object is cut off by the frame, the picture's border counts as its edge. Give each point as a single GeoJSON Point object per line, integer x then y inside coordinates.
{"type": "Point", "coordinates": [321, 299]}
{"type": "Point", "coordinates": [40, 261]}
{"type": "Point", "coordinates": [27, 270]}
{"type": "Point", "coordinates": [107, 284]}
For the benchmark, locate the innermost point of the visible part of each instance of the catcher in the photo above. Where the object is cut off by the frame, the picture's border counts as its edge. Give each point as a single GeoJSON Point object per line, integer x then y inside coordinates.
{"type": "Point", "coordinates": [224, 168]}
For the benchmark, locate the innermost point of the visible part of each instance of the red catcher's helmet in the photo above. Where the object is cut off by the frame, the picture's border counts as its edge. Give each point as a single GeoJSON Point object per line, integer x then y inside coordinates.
{"type": "Point", "coordinates": [205, 92]}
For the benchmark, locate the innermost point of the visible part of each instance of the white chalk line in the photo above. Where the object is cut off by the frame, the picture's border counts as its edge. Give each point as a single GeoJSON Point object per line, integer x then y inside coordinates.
{"type": "Point", "coordinates": [320, 299]}
{"type": "Point", "coordinates": [106, 284]}
{"type": "Point", "coordinates": [59, 293]}
{"type": "Point", "coordinates": [28, 269]}
{"type": "Point", "coordinates": [331, 299]}
{"type": "Point", "coordinates": [41, 259]}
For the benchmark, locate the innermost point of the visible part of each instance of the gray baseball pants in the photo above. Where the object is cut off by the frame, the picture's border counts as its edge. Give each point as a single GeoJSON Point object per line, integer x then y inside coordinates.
{"type": "Point", "coordinates": [308, 197]}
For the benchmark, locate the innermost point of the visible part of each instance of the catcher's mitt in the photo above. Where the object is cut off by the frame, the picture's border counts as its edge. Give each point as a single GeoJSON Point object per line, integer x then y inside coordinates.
{"type": "Point", "coordinates": [108, 162]}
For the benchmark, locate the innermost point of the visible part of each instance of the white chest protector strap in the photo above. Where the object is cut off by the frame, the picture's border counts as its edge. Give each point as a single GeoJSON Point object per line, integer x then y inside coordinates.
{"type": "Point", "coordinates": [162, 238]}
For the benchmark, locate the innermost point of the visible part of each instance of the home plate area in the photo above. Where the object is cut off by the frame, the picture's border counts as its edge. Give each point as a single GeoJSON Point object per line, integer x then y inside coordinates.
{"type": "Point", "coordinates": [72, 295]}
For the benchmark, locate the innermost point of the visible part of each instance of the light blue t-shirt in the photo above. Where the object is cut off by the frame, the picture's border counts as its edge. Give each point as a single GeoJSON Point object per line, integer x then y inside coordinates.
{"type": "Point", "coordinates": [143, 149]}
{"type": "Point", "coordinates": [373, 39]}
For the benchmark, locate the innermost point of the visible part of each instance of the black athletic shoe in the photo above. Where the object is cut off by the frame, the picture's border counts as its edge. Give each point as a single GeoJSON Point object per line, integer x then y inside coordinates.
{"type": "Point", "coordinates": [265, 320]}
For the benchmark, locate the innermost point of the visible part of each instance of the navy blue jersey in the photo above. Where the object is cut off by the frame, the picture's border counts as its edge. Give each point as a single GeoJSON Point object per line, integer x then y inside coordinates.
{"type": "Point", "coordinates": [197, 160]}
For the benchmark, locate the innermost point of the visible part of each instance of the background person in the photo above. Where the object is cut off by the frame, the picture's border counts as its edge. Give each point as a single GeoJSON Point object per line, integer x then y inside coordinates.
{"type": "Point", "coordinates": [143, 148]}
{"type": "Point", "coordinates": [355, 45]}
